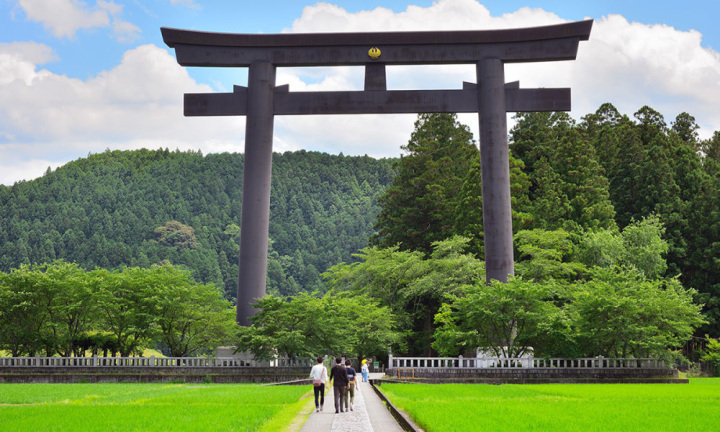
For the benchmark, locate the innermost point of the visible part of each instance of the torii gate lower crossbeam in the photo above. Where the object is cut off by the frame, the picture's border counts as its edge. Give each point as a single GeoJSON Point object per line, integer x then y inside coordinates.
{"type": "Point", "coordinates": [491, 98]}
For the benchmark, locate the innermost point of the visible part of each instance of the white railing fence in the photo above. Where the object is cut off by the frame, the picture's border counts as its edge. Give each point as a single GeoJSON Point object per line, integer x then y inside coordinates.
{"type": "Point", "coordinates": [516, 363]}
{"type": "Point", "coordinates": [150, 362]}
{"type": "Point", "coordinates": [459, 362]}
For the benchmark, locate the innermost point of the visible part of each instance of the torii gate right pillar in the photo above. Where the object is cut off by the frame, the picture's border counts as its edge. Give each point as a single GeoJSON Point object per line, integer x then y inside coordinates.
{"type": "Point", "coordinates": [495, 170]}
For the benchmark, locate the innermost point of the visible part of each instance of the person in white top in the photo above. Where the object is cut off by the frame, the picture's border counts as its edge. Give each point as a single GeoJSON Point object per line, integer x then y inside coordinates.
{"type": "Point", "coordinates": [319, 375]}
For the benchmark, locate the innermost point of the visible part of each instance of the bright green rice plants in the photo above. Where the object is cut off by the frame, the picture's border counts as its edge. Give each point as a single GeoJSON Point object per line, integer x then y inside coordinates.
{"type": "Point", "coordinates": [560, 407]}
{"type": "Point", "coordinates": [149, 407]}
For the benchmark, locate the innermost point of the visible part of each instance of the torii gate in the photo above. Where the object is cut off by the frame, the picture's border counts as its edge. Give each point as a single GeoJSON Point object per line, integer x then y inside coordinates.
{"type": "Point", "coordinates": [261, 100]}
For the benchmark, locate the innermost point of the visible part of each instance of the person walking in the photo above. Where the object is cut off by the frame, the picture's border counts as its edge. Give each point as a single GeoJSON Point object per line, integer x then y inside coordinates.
{"type": "Point", "coordinates": [352, 385]}
{"type": "Point", "coordinates": [339, 378]}
{"type": "Point", "coordinates": [319, 375]}
{"type": "Point", "coordinates": [365, 370]}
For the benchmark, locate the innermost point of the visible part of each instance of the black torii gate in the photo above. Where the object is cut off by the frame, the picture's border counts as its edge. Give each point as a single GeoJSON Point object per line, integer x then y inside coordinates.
{"type": "Point", "coordinates": [261, 100]}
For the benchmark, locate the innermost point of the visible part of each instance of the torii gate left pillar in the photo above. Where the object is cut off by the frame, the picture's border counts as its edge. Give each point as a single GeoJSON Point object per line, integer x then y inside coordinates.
{"type": "Point", "coordinates": [491, 98]}
{"type": "Point", "coordinates": [255, 218]}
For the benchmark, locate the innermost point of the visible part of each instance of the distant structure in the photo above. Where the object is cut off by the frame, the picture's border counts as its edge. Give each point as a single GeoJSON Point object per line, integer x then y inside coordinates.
{"type": "Point", "coordinates": [262, 100]}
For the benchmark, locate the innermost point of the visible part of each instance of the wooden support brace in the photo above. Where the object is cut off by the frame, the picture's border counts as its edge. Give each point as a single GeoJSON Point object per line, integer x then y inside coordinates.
{"type": "Point", "coordinates": [377, 101]}
{"type": "Point", "coordinates": [375, 78]}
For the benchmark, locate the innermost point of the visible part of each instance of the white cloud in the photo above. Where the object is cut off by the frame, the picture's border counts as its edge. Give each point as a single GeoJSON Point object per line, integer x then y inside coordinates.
{"type": "Point", "coordinates": [120, 104]}
{"type": "Point", "coordinates": [633, 64]}
{"type": "Point", "coordinates": [24, 169]}
{"type": "Point", "coordinates": [49, 117]}
{"type": "Point", "coordinates": [442, 15]}
{"type": "Point", "coordinates": [188, 3]}
{"type": "Point", "coordinates": [18, 59]}
{"type": "Point", "coordinates": [63, 18]}
{"type": "Point", "coordinates": [125, 32]}
{"type": "Point", "coordinates": [32, 52]}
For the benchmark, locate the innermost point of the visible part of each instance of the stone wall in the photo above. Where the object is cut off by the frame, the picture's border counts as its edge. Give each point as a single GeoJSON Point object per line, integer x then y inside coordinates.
{"type": "Point", "coordinates": [296, 375]}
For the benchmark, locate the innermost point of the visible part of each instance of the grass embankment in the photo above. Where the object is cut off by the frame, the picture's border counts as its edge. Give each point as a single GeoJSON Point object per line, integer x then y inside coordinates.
{"type": "Point", "coordinates": [147, 407]}
{"type": "Point", "coordinates": [558, 407]}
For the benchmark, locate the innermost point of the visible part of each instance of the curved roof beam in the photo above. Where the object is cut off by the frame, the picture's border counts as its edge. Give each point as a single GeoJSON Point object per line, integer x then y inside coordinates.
{"type": "Point", "coordinates": [548, 43]}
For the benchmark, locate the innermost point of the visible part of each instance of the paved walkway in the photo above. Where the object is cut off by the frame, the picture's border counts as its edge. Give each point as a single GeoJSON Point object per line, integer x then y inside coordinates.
{"type": "Point", "coordinates": [369, 415]}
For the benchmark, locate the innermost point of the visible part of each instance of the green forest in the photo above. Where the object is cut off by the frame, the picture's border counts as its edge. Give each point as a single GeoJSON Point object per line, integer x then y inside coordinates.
{"type": "Point", "coordinates": [137, 208]}
{"type": "Point", "coordinates": [608, 212]}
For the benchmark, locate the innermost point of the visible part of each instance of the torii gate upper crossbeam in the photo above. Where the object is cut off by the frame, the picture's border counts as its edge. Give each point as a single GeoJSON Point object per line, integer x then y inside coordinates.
{"type": "Point", "coordinates": [549, 43]}
{"type": "Point", "coordinates": [491, 98]}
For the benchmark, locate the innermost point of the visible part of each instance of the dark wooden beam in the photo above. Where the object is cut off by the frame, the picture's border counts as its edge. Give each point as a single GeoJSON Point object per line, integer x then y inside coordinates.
{"type": "Point", "coordinates": [578, 29]}
{"type": "Point", "coordinates": [376, 102]}
{"type": "Point", "coordinates": [220, 56]}
{"type": "Point", "coordinates": [375, 76]}
{"type": "Point", "coordinates": [549, 43]}
{"type": "Point", "coordinates": [534, 100]}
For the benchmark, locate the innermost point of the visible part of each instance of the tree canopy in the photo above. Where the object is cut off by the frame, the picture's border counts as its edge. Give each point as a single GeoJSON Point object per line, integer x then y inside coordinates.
{"type": "Point", "coordinates": [58, 308]}
{"type": "Point", "coordinates": [309, 325]}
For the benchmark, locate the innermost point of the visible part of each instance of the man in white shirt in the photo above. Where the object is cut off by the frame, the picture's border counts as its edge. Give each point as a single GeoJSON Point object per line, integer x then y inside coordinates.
{"type": "Point", "coordinates": [319, 375]}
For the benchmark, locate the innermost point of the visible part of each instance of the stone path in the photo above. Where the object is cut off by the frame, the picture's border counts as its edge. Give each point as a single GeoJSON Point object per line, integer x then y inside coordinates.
{"type": "Point", "coordinates": [356, 420]}
{"type": "Point", "coordinates": [369, 415]}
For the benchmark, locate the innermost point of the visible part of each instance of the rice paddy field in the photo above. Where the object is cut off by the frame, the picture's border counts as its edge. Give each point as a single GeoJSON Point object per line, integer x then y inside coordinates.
{"type": "Point", "coordinates": [150, 407]}
{"type": "Point", "coordinates": [561, 407]}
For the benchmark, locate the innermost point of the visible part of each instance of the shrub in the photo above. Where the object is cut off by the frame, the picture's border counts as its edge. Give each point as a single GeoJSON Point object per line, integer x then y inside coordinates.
{"type": "Point", "coordinates": [711, 354]}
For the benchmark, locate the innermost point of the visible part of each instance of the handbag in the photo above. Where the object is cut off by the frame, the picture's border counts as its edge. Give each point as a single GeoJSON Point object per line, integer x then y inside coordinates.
{"type": "Point", "coordinates": [317, 382]}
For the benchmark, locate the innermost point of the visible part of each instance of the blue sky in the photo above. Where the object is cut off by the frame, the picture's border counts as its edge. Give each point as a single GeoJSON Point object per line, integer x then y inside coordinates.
{"type": "Point", "coordinates": [79, 77]}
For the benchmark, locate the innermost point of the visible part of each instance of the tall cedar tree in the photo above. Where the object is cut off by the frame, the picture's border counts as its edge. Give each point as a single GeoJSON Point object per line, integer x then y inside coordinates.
{"type": "Point", "coordinates": [419, 207]}
{"type": "Point", "coordinates": [569, 189]}
{"type": "Point", "coordinates": [644, 163]}
{"type": "Point", "coordinates": [704, 247]}
{"type": "Point", "coordinates": [620, 152]}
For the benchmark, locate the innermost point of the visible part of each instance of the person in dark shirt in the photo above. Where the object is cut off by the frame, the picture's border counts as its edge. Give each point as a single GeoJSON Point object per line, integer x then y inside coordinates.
{"type": "Point", "coordinates": [339, 378]}
{"type": "Point", "coordinates": [352, 379]}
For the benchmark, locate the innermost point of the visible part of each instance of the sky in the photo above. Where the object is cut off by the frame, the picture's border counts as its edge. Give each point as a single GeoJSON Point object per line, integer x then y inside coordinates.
{"type": "Point", "coordinates": [80, 77]}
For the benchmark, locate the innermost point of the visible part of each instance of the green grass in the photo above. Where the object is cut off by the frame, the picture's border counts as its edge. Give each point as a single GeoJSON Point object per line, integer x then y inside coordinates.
{"type": "Point", "coordinates": [561, 407]}
{"type": "Point", "coordinates": [148, 407]}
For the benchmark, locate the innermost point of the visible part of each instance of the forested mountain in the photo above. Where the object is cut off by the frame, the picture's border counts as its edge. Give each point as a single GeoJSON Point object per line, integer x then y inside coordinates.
{"type": "Point", "coordinates": [137, 208]}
